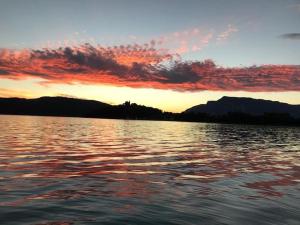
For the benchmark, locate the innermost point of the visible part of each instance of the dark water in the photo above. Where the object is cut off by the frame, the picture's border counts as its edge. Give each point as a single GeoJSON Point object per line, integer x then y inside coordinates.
{"type": "Point", "coordinates": [94, 171]}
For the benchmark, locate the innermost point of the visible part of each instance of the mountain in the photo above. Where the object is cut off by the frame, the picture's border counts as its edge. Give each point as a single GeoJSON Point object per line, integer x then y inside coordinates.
{"type": "Point", "coordinates": [249, 106]}
{"type": "Point", "coordinates": [224, 110]}
{"type": "Point", "coordinates": [51, 106]}
{"type": "Point", "coordinates": [63, 106]}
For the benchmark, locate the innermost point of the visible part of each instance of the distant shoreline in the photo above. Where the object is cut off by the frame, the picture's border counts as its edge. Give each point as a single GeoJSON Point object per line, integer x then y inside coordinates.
{"type": "Point", "coordinates": [161, 120]}
{"type": "Point", "coordinates": [228, 110]}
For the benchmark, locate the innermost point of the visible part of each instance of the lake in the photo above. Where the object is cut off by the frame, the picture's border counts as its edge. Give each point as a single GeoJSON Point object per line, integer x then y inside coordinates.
{"type": "Point", "coordinates": [62, 171]}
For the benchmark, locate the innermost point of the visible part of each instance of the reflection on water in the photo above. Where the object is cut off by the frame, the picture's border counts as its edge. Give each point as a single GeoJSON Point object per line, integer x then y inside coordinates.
{"type": "Point", "coordinates": [94, 171]}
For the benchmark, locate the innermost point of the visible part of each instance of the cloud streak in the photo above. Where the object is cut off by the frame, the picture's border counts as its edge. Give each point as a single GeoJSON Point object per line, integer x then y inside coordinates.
{"type": "Point", "coordinates": [227, 33]}
{"type": "Point", "coordinates": [291, 36]}
{"type": "Point", "coordinates": [142, 66]}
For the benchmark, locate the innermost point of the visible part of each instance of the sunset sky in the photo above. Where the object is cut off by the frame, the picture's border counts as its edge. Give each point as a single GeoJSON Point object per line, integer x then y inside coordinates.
{"type": "Point", "coordinates": [169, 54]}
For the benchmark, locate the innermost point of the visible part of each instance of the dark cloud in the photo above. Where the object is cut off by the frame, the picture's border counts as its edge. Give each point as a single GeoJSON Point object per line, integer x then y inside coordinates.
{"type": "Point", "coordinates": [4, 72]}
{"type": "Point", "coordinates": [88, 57]}
{"type": "Point", "coordinates": [291, 36]}
{"type": "Point", "coordinates": [179, 73]}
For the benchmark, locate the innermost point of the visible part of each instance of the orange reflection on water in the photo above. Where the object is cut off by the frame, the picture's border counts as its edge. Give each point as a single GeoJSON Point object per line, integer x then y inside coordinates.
{"type": "Point", "coordinates": [142, 159]}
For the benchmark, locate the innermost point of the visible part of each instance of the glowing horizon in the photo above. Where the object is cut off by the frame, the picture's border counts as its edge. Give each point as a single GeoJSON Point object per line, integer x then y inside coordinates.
{"type": "Point", "coordinates": [166, 100]}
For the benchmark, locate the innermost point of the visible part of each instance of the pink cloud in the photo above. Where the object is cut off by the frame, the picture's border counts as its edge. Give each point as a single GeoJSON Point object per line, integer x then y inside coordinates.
{"type": "Point", "coordinates": [227, 33]}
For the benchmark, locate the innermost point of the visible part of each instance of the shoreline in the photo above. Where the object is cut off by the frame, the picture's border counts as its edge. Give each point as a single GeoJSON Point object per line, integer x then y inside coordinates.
{"type": "Point", "coordinates": [164, 120]}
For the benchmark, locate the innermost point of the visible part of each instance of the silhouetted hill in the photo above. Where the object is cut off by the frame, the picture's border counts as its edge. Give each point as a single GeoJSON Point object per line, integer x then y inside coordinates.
{"type": "Point", "coordinates": [250, 106]}
{"type": "Point", "coordinates": [225, 110]}
{"type": "Point", "coordinates": [51, 106]}
{"type": "Point", "coordinates": [63, 106]}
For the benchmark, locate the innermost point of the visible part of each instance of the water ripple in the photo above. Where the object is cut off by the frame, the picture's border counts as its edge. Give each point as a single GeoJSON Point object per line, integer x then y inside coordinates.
{"type": "Point", "coordinates": [92, 171]}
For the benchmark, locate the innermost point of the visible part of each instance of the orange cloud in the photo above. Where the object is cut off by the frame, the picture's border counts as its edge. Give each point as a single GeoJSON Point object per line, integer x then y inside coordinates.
{"type": "Point", "coordinates": [142, 66]}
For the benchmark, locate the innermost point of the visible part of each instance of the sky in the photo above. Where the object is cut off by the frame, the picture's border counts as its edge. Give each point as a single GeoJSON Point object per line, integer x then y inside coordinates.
{"type": "Point", "coordinates": [169, 54]}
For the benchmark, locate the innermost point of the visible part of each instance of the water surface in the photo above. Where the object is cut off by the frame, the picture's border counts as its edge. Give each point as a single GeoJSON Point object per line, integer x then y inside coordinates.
{"type": "Point", "coordinates": [56, 170]}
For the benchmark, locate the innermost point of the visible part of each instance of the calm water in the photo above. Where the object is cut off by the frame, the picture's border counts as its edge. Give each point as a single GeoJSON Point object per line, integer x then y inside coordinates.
{"type": "Point", "coordinates": [93, 171]}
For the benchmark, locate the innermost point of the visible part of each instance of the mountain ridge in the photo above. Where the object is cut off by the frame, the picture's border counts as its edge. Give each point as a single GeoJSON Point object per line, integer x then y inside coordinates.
{"type": "Point", "coordinates": [225, 110]}
{"type": "Point", "coordinates": [246, 105]}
